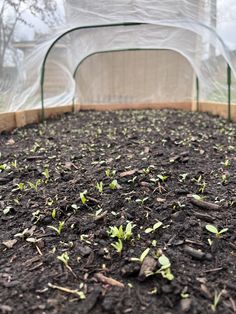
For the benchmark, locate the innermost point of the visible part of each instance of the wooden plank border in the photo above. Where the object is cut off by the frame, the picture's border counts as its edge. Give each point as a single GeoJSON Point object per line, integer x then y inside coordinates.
{"type": "Point", "coordinates": [11, 120]}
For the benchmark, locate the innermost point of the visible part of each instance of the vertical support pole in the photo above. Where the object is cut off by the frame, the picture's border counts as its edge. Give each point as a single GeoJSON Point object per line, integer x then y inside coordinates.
{"type": "Point", "coordinates": [42, 93]}
{"type": "Point", "coordinates": [229, 91]}
{"type": "Point", "coordinates": [197, 93]}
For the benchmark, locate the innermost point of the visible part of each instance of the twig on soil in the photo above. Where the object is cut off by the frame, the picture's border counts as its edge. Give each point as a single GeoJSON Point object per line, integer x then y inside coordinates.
{"type": "Point", "coordinates": [108, 280]}
{"type": "Point", "coordinates": [233, 304]}
{"type": "Point", "coordinates": [213, 270]}
{"type": "Point", "coordinates": [78, 293]}
{"type": "Point", "coordinates": [203, 204]}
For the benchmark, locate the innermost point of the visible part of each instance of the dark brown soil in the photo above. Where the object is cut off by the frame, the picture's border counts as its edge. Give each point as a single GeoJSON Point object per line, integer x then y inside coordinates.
{"type": "Point", "coordinates": [159, 159]}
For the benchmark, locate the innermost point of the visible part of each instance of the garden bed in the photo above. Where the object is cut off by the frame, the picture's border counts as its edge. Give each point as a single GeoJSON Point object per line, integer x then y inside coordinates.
{"type": "Point", "coordinates": [65, 185]}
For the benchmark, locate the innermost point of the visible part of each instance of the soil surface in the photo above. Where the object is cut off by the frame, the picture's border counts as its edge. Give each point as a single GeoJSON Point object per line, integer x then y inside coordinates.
{"type": "Point", "coordinates": [161, 175]}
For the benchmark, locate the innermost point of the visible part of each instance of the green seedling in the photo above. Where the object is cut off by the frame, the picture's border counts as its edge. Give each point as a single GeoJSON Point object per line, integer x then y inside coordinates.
{"type": "Point", "coordinates": [82, 197]}
{"type": "Point", "coordinates": [99, 186]}
{"type": "Point", "coordinates": [224, 179]}
{"type": "Point", "coordinates": [110, 173]}
{"type": "Point", "coordinates": [183, 177]}
{"type": "Point", "coordinates": [14, 164]}
{"type": "Point", "coordinates": [162, 178]}
{"type": "Point", "coordinates": [59, 229]}
{"type": "Point", "coordinates": [20, 186]}
{"type": "Point", "coordinates": [142, 200]}
{"type": "Point", "coordinates": [45, 173]}
{"type": "Point", "coordinates": [25, 233]}
{"type": "Point", "coordinates": [202, 187]}
{"type": "Point", "coordinates": [197, 197]}
{"type": "Point", "coordinates": [165, 269]}
{"type": "Point", "coordinates": [3, 167]}
{"type": "Point", "coordinates": [54, 213]}
{"type": "Point", "coordinates": [119, 233]}
{"type": "Point", "coordinates": [64, 258]}
{"type": "Point", "coordinates": [142, 256]}
{"type": "Point", "coordinates": [7, 210]}
{"type": "Point", "coordinates": [113, 185]}
{"type": "Point", "coordinates": [36, 216]}
{"type": "Point", "coordinates": [35, 148]}
{"type": "Point", "coordinates": [118, 246]}
{"type": "Point", "coordinates": [214, 230]}
{"type": "Point", "coordinates": [226, 163]}
{"type": "Point", "coordinates": [154, 227]}
{"type": "Point", "coordinates": [216, 301]}
{"type": "Point", "coordinates": [34, 186]}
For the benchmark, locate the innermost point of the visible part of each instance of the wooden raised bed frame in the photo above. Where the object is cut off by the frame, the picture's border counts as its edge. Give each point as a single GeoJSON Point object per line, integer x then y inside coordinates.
{"type": "Point", "coordinates": [11, 120]}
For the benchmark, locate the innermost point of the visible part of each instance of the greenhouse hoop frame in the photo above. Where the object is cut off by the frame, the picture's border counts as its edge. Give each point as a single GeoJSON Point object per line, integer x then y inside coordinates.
{"type": "Point", "coordinates": [128, 49]}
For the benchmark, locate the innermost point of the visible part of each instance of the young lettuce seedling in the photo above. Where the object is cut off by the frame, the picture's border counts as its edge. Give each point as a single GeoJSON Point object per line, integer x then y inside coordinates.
{"type": "Point", "coordinates": [142, 256]}
{"type": "Point", "coordinates": [165, 269]}
{"type": "Point", "coordinates": [113, 185]}
{"type": "Point", "coordinates": [162, 178]}
{"type": "Point", "coordinates": [99, 186]}
{"type": "Point", "coordinates": [59, 229]}
{"type": "Point", "coordinates": [34, 186]}
{"type": "Point", "coordinates": [64, 258]}
{"type": "Point", "coordinates": [119, 233]}
{"type": "Point", "coordinates": [118, 246]}
{"type": "Point", "coordinates": [216, 300]}
{"type": "Point", "coordinates": [214, 230]}
{"type": "Point", "coordinates": [82, 197]}
{"type": "Point", "coordinates": [45, 173]}
{"type": "Point", "coordinates": [155, 227]}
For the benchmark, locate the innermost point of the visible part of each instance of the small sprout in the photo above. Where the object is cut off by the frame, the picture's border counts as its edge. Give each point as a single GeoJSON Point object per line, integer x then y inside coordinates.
{"type": "Point", "coordinates": [118, 246]}
{"type": "Point", "coordinates": [14, 164]}
{"type": "Point", "coordinates": [142, 200]}
{"type": "Point", "coordinates": [59, 229]}
{"type": "Point", "coordinates": [20, 186]}
{"type": "Point", "coordinates": [224, 179]}
{"type": "Point", "coordinates": [64, 258]}
{"type": "Point", "coordinates": [183, 177]}
{"type": "Point", "coordinates": [50, 202]}
{"type": "Point", "coordinates": [154, 243]}
{"type": "Point", "coordinates": [113, 185]}
{"type": "Point", "coordinates": [99, 186]}
{"type": "Point", "coordinates": [3, 167]}
{"type": "Point", "coordinates": [98, 212]}
{"type": "Point", "coordinates": [216, 300]}
{"type": "Point", "coordinates": [165, 269]}
{"type": "Point", "coordinates": [202, 187]}
{"type": "Point", "coordinates": [82, 197]}
{"type": "Point", "coordinates": [155, 227]}
{"type": "Point", "coordinates": [110, 173]}
{"type": "Point", "coordinates": [34, 186]}
{"type": "Point", "coordinates": [74, 206]}
{"type": "Point", "coordinates": [197, 197]}
{"type": "Point", "coordinates": [162, 178]}
{"type": "Point", "coordinates": [45, 173]}
{"type": "Point", "coordinates": [7, 210]}
{"type": "Point", "coordinates": [35, 147]}
{"type": "Point", "coordinates": [226, 163]}
{"type": "Point", "coordinates": [214, 230]}
{"type": "Point", "coordinates": [119, 233]}
{"type": "Point", "coordinates": [54, 213]}
{"type": "Point", "coordinates": [36, 216]}
{"type": "Point", "coordinates": [142, 256]}
{"type": "Point", "coordinates": [184, 295]}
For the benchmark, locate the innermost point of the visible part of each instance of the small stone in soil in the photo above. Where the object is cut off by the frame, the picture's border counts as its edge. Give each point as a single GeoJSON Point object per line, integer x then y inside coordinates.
{"type": "Point", "coordinates": [185, 305]}
{"type": "Point", "coordinates": [84, 250]}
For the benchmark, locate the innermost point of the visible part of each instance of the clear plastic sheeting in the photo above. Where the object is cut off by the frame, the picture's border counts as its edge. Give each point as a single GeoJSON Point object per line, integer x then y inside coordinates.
{"type": "Point", "coordinates": [99, 60]}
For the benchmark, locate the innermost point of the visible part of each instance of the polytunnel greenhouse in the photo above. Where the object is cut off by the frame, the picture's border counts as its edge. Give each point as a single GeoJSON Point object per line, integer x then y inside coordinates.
{"type": "Point", "coordinates": [117, 156]}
